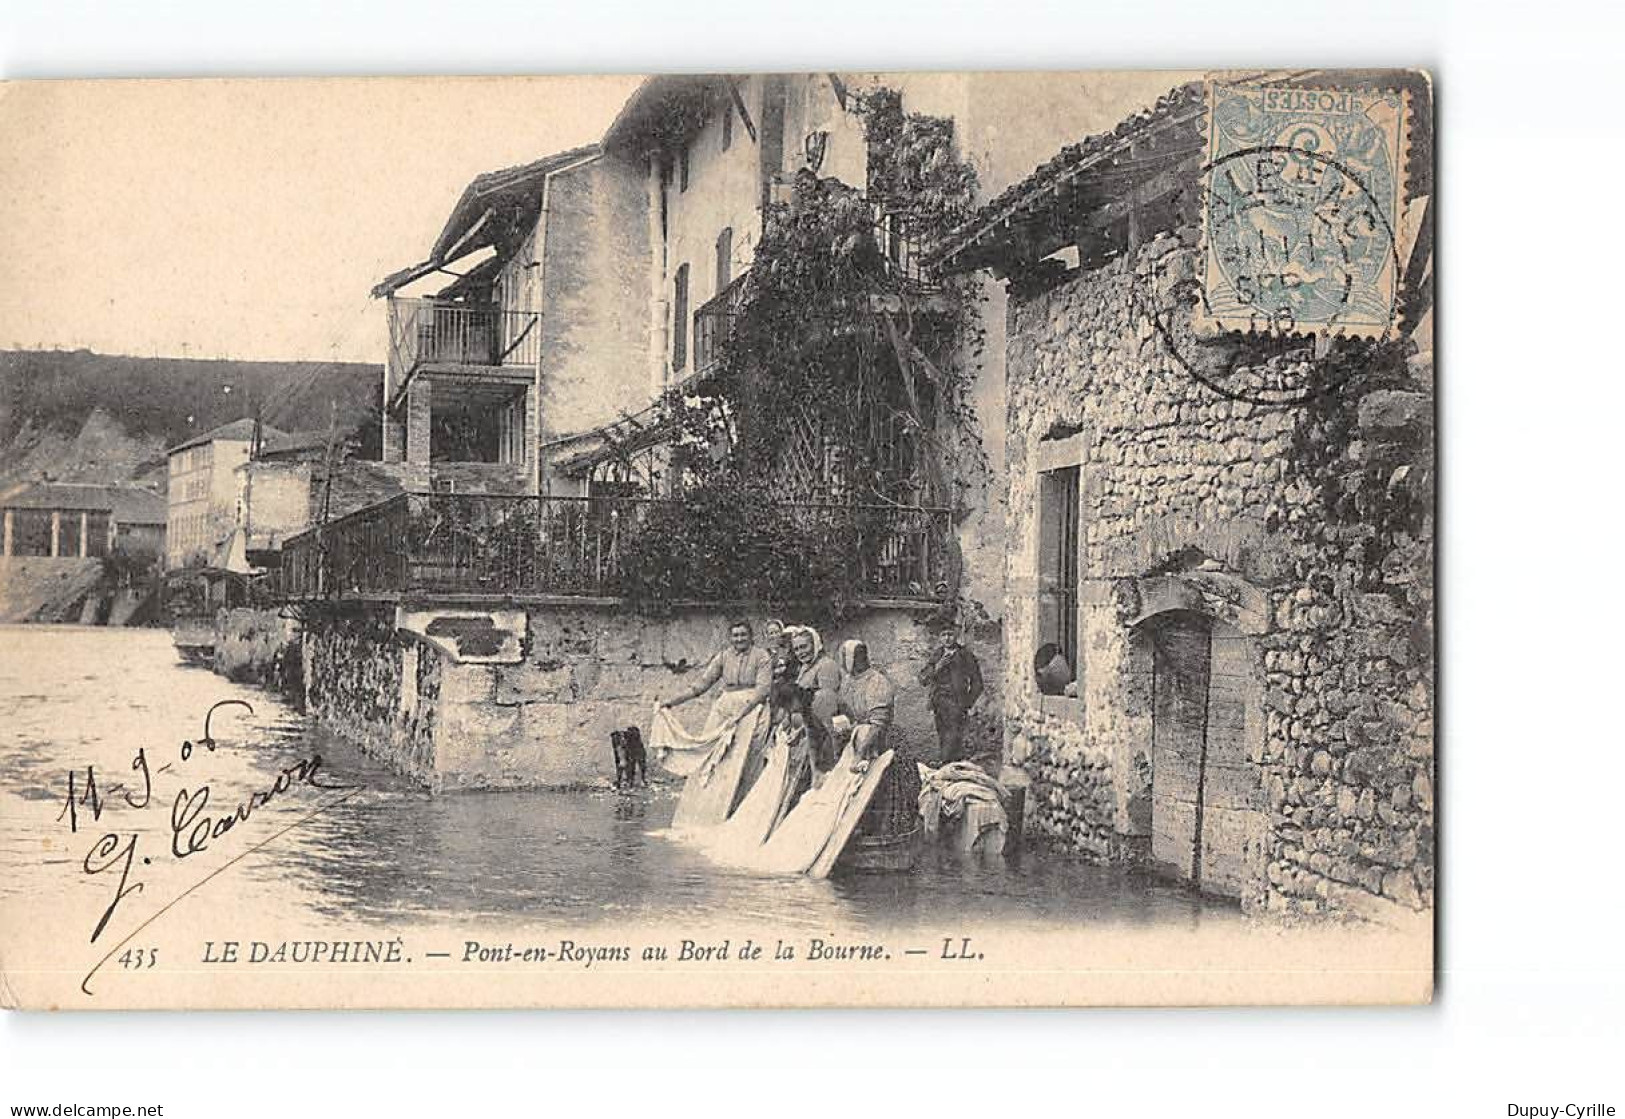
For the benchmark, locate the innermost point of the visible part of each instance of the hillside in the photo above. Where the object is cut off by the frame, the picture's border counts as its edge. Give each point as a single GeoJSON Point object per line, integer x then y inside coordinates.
{"type": "Point", "coordinates": [82, 416]}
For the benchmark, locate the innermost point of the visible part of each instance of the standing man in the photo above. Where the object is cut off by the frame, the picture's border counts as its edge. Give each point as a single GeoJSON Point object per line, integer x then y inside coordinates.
{"type": "Point", "coordinates": [954, 680]}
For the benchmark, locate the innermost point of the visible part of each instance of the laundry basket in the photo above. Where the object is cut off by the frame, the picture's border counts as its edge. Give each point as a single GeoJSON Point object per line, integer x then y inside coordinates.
{"type": "Point", "coordinates": [881, 853]}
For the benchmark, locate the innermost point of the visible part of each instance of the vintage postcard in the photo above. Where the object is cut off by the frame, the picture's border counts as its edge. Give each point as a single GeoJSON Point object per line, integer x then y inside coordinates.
{"type": "Point", "coordinates": [740, 540]}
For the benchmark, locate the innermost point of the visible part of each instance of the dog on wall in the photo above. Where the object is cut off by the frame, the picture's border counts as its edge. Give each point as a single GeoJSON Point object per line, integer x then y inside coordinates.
{"type": "Point", "coordinates": [631, 759]}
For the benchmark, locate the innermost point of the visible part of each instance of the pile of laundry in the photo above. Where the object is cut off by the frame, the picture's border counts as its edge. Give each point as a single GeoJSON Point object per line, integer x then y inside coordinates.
{"type": "Point", "coordinates": [962, 802]}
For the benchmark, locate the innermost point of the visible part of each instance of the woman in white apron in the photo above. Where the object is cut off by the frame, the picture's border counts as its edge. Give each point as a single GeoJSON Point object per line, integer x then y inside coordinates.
{"type": "Point", "coordinates": [735, 729]}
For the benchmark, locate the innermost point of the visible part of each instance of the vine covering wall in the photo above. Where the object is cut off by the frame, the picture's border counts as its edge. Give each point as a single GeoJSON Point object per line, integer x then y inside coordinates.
{"type": "Point", "coordinates": [844, 380]}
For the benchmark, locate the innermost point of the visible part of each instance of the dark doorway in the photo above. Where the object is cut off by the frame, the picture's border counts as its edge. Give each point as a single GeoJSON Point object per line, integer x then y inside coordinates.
{"type": "Point", "coordinates": [1204, 788]}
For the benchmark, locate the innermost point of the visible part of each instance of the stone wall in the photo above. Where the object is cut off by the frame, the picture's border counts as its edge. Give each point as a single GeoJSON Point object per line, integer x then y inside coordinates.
{"type": "Point", "coordinates": [543, 717]}
{"type": "Point", "coordinates": [354, 668]}
{"type": "Point", "coordinates": [274, 499]}
{"type": "Point", "coordinates": [501, 479]}
{"type": "Point", "coordinates": [252, 646]}
{"type": "Point", "coordinates": [1196, 506]}
{"type": "Point", "coordinates": [356, 485]}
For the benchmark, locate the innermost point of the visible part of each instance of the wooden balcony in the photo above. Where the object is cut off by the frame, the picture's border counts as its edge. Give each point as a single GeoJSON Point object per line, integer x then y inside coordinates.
{"type": "Point", "coordinates": [466, 339]}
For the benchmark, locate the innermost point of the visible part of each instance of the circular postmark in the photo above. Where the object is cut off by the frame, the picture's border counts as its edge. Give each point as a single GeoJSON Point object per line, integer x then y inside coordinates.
{"type": "Point", "coordinates": [1298, 254]}
{"type": "Point", "coordinates": [1296, 239]}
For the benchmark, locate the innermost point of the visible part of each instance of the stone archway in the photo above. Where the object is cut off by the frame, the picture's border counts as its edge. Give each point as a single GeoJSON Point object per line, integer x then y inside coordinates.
{"type": "Point", "coordinates": [1194, 648]}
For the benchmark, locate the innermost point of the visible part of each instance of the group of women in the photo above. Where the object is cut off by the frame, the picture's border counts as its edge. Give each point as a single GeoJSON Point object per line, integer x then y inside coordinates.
{"type": "Point", "coordinates": [796, 754]}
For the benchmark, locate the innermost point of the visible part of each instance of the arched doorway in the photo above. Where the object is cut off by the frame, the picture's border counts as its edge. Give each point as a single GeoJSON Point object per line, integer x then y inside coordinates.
{"type": "Point", "coordinates": [1206, 818]}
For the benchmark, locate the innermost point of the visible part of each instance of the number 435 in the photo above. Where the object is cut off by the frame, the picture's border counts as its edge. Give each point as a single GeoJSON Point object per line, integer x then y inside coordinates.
{"type": "Point", "coordinates": [134, 959]}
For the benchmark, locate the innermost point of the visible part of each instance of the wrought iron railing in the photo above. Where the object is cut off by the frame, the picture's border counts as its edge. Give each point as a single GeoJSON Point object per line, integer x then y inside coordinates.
{"type": "Point", "coordinates": [712, 323]}
{"type": "Point", "coordinates": [903, 254]}
{"type": "Point", "coordinates": [429, 544]}
{"type": "Point", "coordinates": [902, 258]}
{"type": "Point", "coordinates": [430, 331]}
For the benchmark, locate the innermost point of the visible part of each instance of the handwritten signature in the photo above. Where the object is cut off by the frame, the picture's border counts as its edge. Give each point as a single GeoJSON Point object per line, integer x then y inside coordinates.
{"type": "Point", "coordinates": [191, 827]}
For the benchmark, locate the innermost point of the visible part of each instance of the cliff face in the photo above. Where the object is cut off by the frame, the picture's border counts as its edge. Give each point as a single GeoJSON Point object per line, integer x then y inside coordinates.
{"type": "Point", "coordinates": [101, 450]}
{"type": "Point", "coordinates": [43, 589]}
{"type": "Point", "coordinates": [85, 417]}
{"type": "Point", "coordinates": [81, 416]}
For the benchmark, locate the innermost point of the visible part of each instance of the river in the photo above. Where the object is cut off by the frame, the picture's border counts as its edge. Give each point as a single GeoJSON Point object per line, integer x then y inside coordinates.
{"type": "Point", "coordinates": [76, 697]}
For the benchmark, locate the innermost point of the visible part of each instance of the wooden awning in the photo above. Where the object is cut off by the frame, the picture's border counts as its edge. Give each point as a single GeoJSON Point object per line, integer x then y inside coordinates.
{"type": "Point", "coordinates": [1083, 185]}
{"type": "Point", "coordinates": [487, 213]}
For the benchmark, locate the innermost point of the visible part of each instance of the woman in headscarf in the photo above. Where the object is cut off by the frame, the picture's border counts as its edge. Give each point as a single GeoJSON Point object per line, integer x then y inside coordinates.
{"type": "Point", "coordinates": [819, 676]}
{"type": "Point", "coordinates": [817, 813]}
{"type": "Point", "coordinates": [776, 637]}
{"type": "Point", "coordinates": [868, 698]}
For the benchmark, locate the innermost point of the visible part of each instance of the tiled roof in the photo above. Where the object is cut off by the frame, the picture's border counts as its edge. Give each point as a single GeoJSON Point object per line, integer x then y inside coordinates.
{"type": "Point", "coordinates": [515, 190]}
{"type": "Point", "coordinates": [1038, 189]}
{"type": "Point", "coordinates": [293, 442]}
{"type": "Point", "coordinates": [128, 504]}
{"type": "Point", "coordinates": [240, 431]}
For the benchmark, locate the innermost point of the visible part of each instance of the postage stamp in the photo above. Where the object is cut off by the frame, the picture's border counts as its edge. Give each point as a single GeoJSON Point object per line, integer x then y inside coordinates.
{"type": "Point", "coordinates": [1303, 198]}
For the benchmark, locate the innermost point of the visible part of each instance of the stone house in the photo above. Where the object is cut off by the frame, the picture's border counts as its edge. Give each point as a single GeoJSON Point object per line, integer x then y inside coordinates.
{"type": "Point", "coordinates": [78, 551]}
{"type": "Point", "coordinates": [297, 480]}
{"type": "Point", "coordinates": [598, 279]}
{"type": "Point", "coordinates": [539, 334]}
{"type": "Point", "coordinates": [1218, 613]}
{"type": "Point", "coordinates": [720, 149]}
{"type": "Point", "coordinates": [471, 630]}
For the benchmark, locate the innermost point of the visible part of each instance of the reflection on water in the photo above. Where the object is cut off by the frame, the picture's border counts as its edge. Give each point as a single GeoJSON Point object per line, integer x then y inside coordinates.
{"type": "Point", "coordinates": [71, 697]}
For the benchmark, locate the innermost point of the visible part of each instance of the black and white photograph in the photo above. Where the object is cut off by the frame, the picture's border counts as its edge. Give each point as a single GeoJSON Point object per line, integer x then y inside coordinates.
{"type": "Point", "coordinates": [829, 538]}
{"type": "Point", "coordinates": [982, 559]}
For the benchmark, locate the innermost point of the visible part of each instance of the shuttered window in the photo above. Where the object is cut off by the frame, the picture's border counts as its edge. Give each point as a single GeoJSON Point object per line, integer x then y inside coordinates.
{"type": "Point", "coordinates": [679, 325]}
{"type": "Point", "coordinates": [725, 252]}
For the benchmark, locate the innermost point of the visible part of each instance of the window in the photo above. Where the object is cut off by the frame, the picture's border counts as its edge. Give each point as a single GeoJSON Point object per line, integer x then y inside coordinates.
{"type": "Point", "coordinates": [682, 170]}
{"type": "Point", "coordinates": [679, 325]}
{"type": "Point", "coordinates": [1058, 656]}
{"type": "Point", "coordinates": [68, 535]}
{"type": "Point", "coordinates": [31, 532]}
{"type": "Point", "coordinates": [725, 252]}
{"type": "Point", "coordinates": [1057, 579]}
{"type": "Point", "coordinates": [727, 125]}
{"type": "Point", "coordinates": [665, 195]}
{"type": "Point", "coordinates": [478, 429]}
{"type": "Point", "coordinates": [96, 534]}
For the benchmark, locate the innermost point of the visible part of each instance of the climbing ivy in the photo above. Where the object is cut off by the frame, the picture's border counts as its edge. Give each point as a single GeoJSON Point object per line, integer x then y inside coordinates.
{"type": "Point", "coordinates": [839, 361]}
{"type": "Point", "coordinates": [1374, 475]}
{"type": "Point", "coordinates": [829, 338]}
{"type": "Point", "coordinates": [730, 543]}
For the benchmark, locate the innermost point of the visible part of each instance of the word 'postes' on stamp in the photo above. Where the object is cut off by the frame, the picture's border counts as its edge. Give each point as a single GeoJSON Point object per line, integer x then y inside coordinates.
{"type": "Point", "coordinates": [1303, 192]}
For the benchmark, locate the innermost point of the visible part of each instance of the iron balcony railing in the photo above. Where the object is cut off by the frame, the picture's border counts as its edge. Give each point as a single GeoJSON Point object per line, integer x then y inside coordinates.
{"type": "Point", "coordinates": [457, 544]}
{"type": "Point", "coordinates": [901, 257]}
{"type": "Point", "coordinates": [903, 254]}
{"type": "Point", "coordinates": [430, 332]}
{"type": "Point", "coordinates": [712, 324]}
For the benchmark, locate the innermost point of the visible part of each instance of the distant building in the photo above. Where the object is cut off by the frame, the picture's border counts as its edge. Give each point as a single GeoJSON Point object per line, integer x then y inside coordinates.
{"type": "Point", "coordinates": [70, 520]}
{"type": "Point", "coordinates": [296, 481]}
{"type": "Point", "coordinates": [203, 493]}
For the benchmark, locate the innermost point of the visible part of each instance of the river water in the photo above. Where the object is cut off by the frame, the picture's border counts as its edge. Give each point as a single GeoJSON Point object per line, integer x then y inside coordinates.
{"type": "Point", "coordinates": [72, 698]}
